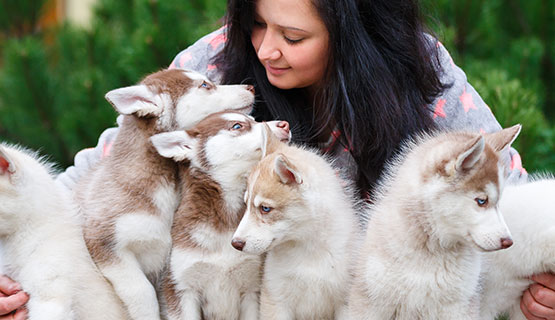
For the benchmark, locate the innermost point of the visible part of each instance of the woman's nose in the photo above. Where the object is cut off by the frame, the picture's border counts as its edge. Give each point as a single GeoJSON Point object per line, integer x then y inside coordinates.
{"type": "Point", "coordinates": [268, 49]}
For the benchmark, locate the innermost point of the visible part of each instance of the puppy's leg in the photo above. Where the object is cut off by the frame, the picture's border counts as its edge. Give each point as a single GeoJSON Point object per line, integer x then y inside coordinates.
{"type": "Point", "coordinates": [222, 301]}
{"type": "Point", "coordinates": [190, 306]}
{"type": "Point", "coordinates": [133, 287]}
{"type": "Point", "coordinates": [271, 310]}
{"type": "Point", "coordinates": [249, 306]}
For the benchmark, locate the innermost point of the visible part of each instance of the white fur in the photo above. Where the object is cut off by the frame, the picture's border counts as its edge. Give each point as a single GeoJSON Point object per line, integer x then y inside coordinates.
{"type": "Point", "coordinates": [216, 275]}
{"type": "Point", "coordinates": [44, 248]}
{"type": "Point", "coordinates": [529, 210]}
{"type": "Point", "coordinates": [213, 279]}
{"type": "Point", "coordinates": [142, 239]}
{"type": "Point", "coordinates": [422, 256]}
{"type": "Point", "coordinates": [192, 106]}
{"type": "Point", "coordinates": [306, 273]}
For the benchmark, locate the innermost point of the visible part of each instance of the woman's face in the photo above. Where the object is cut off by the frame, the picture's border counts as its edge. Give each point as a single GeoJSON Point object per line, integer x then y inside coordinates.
{"type": "Point", "coordinates": [291, 42]}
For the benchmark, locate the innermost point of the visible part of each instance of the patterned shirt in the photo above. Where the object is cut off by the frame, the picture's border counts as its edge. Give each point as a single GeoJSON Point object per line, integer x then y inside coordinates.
{"type": "Point", "coordinates": [458, 108]}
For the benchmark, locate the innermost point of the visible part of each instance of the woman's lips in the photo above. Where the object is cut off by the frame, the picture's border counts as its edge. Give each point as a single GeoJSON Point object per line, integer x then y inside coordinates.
{"type": "Point", "coordinates": [276, 71]}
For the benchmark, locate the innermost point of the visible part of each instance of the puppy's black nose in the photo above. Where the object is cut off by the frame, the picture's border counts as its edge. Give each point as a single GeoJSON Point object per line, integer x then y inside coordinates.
{"type": "Point", "coordinates": [238, 244]}
{"type": "Point", "coordinates": [506, 242]}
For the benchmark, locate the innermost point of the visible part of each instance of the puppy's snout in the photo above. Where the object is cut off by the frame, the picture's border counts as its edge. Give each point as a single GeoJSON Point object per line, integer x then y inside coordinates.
{"type": "Point", "coordinates": [506, 242]}
{"type": "Point", "coordinates": [284, 125]}
{"type": "Point", "coordinates": [238, 244]}
{"type": "Point", "coordinates": [250, 88]}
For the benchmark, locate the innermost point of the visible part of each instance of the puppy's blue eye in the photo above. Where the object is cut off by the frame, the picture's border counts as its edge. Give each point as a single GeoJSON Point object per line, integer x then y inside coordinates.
{"type": "Point", "coordinates": [481, 202]}
{"type": "Point", "coordinates": [205, 85]}
{"type": "Point", "coordinates": [265, 210]}
{"type": "Point", "coordinates": [237, 126]}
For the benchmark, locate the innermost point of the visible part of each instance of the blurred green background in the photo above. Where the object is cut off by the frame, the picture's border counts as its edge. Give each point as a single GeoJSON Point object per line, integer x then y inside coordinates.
{"type": "Point", "coordinates": [54, 73]}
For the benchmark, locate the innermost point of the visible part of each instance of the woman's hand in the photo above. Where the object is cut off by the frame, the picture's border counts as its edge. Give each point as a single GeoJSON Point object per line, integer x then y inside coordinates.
{"type": "Point", "coordinates": [538, 302]}
{"type": "Point", "coordinates": [12, 300]}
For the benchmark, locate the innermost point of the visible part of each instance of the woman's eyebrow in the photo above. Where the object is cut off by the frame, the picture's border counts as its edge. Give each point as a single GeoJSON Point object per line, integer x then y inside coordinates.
{"type": "Point", "coordinates": [292, 28]}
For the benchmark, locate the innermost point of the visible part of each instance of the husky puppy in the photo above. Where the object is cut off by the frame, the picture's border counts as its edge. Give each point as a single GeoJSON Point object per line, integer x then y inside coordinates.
{"type": "Point", "coordinates": [300, 213]}
{"type": "Point", "coordinates": [207, 278]}
{"type": "Point", "coordinates": [43, 244]}
{"type": "Point", "coordinates": [436, 211]}
{"type": "Point", "coordinates": [129, 198]}
{"type": "Point", "coordinates": [529, 211]}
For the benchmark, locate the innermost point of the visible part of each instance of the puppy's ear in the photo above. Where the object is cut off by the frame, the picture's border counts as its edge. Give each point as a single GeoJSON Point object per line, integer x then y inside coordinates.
{"type": "Point", "coordinates": [6, 164]}
{"type": "Point", "coordinates": [137, 100]}
{"type": "Point", "coordinates": [470, 155]}
{"type": "Point", "coordinates": [502, 139]}
{"type": "Point", "coordinates": [286, 172]}
{"type": "Point", "coordinates": [176, 145]}
{"type": "Point", "coordinates": [270, 142]}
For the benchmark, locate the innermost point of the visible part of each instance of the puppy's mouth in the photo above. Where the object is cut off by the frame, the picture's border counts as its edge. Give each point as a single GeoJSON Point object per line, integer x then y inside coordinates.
{"type": "Point", "coordinates": [286, 139]}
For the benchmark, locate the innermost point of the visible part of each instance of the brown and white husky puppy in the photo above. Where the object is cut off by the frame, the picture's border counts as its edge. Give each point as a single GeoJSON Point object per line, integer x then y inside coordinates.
{"type": "Point", "coordinates": [301, 214]}
{"type": "Point", "coordinates": [207, 278]}
{"type": "Point", "coordinates": [436, 212]}
{"type": "Point", "coordinates": [129, 198]}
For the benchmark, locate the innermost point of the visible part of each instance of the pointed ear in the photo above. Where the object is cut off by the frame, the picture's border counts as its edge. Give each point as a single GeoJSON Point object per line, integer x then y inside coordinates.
{"type": "Point", "coordinates": [286, 172]}
{"type": "Point", "coordinates": [176, 145]}
{"type": "Point", "coordinates": [501, 139]}
{"type": "Point", "coordinates": [471, 154]}
{"type": "Point", "coordinates": [269, 140]}
{"type": "Point", "coordinates": [137, 100]}
{"type": "Point", "coordinates": [6, 164]}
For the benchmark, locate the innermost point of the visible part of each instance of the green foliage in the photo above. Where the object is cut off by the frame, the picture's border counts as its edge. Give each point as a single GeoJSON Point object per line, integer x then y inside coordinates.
{"type": "Point", "coordinates": [507, 49]}
{"type": "Point", "coordinates": [53, 82]}
{"type": "Point", "coordinates": [512, 103]}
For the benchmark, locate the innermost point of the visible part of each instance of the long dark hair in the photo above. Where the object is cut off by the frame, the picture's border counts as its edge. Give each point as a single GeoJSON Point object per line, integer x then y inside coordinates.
{"type": "Point", "coordinates": [382, 74]}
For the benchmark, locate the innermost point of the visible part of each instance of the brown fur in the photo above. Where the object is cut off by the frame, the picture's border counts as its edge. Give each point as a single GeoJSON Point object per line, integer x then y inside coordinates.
{"type": "Point", "coordinates": [170, 295]}
{"type": "Point", "coordinates": [170, 81]}
{"type": "Point", "coordinates": [201, 204]}
{"type": "Point", "coordinates": [134, 168]}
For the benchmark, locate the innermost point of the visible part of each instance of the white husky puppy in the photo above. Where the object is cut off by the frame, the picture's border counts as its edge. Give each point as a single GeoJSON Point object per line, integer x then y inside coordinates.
{"type": "Point", "coordinates": [435, 213]}
{"type": "Point", "coordinates": [207, 278]}
{"type": "Point", "coordinates": [529, 211]}
{"type": "Point", "coordinates": [43, 244]}
{"type": "Point", "coordinates": [129, 198]}
{"type": "Point", "coordinates": [299, 212]}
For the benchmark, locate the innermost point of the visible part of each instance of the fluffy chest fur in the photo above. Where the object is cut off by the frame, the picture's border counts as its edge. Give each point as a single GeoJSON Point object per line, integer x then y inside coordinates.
{"type": "Point", "coordinates": [203, 262]}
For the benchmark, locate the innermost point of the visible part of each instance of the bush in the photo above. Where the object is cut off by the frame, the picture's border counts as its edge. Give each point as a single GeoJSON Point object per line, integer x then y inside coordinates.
{"type": "Point", "coordinates": [53, 82]}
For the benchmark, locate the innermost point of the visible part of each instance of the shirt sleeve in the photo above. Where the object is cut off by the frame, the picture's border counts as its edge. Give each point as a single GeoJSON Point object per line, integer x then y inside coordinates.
{"type": "Point", "coordinates": [196, 57]}
{"type": "Point", "coordinates": [460, 107]}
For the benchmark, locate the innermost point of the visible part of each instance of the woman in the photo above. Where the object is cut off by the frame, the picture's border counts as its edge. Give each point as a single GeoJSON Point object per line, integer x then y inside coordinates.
{"type": "Point", "coordinates": [353, 77]}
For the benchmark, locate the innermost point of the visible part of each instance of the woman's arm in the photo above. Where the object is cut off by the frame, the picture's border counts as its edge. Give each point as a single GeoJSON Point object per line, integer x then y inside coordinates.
{"type": "Point", "coordinates": [460, 107]}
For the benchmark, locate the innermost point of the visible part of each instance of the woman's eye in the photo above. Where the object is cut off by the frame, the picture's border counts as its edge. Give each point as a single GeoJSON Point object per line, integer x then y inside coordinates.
{"type": "Point", "coordinates": [292, 41]}
{"type": "Point", "coordinates": [237, 126]}
{"type": "Point", "coordinates": [259, 24]}
{"type": "Point", "coordinates": [265, 210]}
{"type": "Point", "coordinates": [481, 201]}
